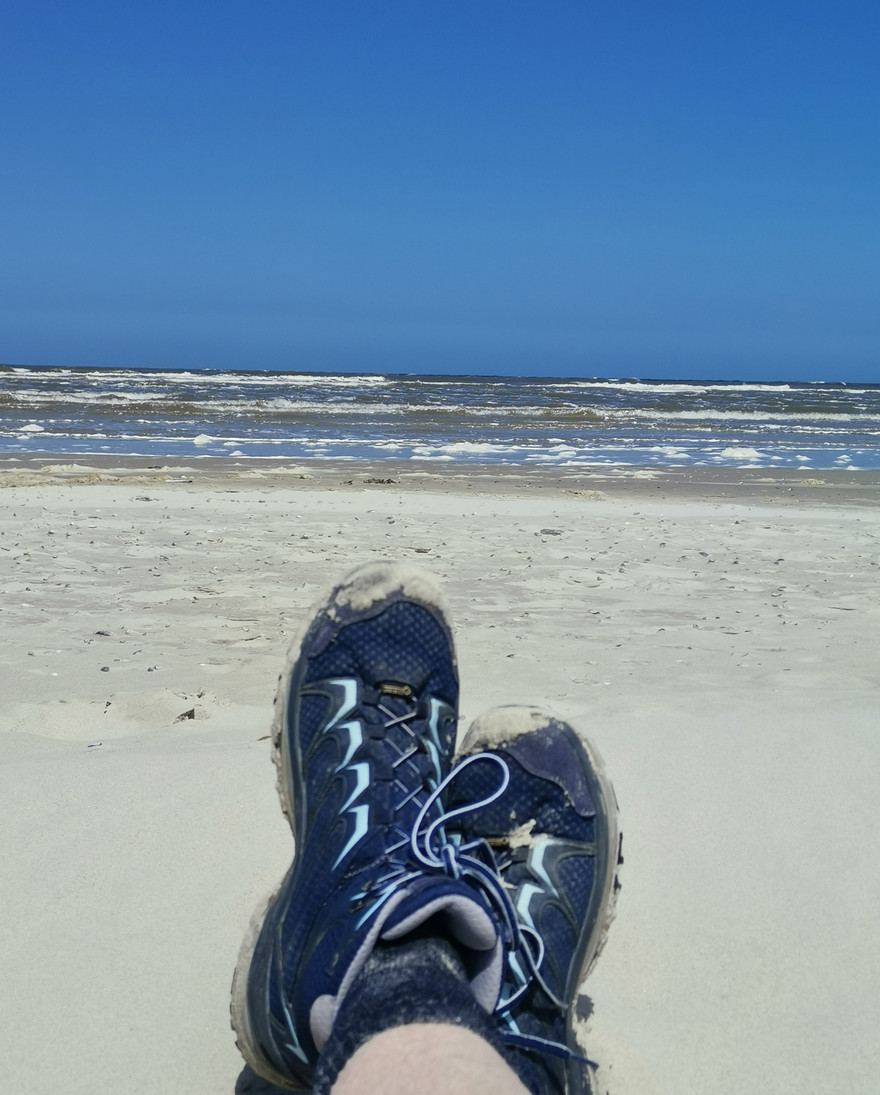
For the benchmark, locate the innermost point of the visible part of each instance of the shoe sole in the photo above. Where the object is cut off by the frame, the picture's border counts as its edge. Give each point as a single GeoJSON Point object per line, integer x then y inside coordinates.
{"type": "Point", "coordinates": [368, 589]}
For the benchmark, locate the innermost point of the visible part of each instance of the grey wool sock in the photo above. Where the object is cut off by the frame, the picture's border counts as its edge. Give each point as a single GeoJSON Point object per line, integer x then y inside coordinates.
{"type": "Point", "coordinates": [417, 980]}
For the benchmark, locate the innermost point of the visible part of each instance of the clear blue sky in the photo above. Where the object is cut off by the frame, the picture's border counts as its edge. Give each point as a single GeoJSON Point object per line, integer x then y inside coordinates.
{"type": "Point", "coordinates": [595, 188]}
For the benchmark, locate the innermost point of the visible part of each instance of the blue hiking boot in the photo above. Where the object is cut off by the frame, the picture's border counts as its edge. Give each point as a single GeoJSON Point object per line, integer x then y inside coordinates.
{"type": "Point", "coordinates": [363, 736]}
{"type": "Point", "coordinates": [552, 828]}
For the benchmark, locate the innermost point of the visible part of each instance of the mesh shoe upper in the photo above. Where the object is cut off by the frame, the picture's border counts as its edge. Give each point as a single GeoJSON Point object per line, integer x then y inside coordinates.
{"type": "Point", "coordinates": [365, 734]}
{"type": "Point", "coordinates": [552, 830]}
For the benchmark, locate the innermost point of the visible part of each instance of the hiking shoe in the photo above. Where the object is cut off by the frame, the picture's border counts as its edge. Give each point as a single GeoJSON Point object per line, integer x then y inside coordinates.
{"type": "Point", "coordinates": [553, 831]}
{"type": "Point", "coordinates": [364, 733]}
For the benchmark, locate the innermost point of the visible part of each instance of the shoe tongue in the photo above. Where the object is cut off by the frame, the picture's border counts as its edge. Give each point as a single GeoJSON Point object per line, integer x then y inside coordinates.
{"type": "Point", "coordinates": [464, 919]}
{"type": "Point", "coordinates": [461, 919]}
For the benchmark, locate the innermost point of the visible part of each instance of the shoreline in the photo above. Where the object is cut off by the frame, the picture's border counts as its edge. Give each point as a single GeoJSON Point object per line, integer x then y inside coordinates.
{"type": "Point", "coordinates": [777, 485]}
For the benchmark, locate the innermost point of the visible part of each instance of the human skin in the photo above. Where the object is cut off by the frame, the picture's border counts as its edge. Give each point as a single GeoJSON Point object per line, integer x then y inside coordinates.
{"type": "Point", "coordinates": [427, 1059]}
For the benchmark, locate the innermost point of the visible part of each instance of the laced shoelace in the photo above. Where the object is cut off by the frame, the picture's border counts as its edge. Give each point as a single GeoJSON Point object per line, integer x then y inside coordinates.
{"type": "Point", "coordinates": [476, 862]}
{"type": "Point", "coordinates": [419, 743]}
{"type": "Point", "coordinates": [473, 861]}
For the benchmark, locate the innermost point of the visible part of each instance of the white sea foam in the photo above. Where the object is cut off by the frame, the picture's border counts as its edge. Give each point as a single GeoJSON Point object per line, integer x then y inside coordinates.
{"type": "Point", "coordinates": [666, 450]}
{"type": "Point", "coordinates": [28, 397]}
{"type": "Point", "coordinates": [439, 418]}
{"type": "Point", "coordinates": [710, 414]}
{"type": "Point", "coordinates": [741, 452]}
{"type": "Point", "coordinates": [674, 387]}
{"type": "Point", "coordinates": [476, 446]}
{"type": "Point", "coordinates": [107, 377]}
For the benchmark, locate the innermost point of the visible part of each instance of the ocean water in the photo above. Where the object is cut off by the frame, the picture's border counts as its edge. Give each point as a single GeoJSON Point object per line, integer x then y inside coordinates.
{"type": "Point", "coordinates": [507, 420]}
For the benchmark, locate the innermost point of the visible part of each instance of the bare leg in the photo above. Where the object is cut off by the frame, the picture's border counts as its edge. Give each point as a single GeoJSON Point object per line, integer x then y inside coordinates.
{"type": "Point", "coordinates": [427, 1059]}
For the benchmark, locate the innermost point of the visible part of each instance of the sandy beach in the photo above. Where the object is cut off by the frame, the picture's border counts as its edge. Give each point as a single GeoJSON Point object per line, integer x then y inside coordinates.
{"type": "Point", "coordinates": [714, 631]}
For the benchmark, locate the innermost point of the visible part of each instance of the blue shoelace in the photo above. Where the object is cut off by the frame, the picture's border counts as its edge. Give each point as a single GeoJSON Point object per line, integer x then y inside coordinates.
{"type": "Point", "coordinates": [475, 861]}
{"type": "Point", "coordinates": [472, 861]}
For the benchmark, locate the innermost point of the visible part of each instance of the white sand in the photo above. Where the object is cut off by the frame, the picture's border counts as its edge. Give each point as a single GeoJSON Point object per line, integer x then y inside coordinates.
{"type": "Point", "coordinates": [722, 653]}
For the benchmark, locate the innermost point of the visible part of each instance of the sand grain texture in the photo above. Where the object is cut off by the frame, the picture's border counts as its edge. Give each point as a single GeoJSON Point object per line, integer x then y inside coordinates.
{"type": "Point", "coordinates": [720, 646]}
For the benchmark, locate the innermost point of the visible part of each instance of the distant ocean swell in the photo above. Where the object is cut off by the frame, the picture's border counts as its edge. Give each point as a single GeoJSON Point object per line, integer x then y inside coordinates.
{"type": "Point", "coordinates": [173, 415]}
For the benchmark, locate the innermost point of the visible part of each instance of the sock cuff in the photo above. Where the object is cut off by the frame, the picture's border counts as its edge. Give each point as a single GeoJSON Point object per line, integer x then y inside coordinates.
{"type": "Point", "coordinates": [419, 981]}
